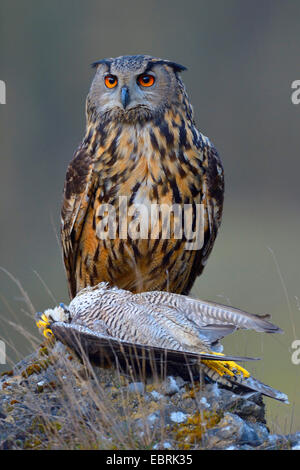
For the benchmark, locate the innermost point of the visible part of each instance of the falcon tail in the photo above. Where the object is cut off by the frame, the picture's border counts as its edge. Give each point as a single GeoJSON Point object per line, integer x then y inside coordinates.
{"type": "Point", "coordinates": [246, 384]}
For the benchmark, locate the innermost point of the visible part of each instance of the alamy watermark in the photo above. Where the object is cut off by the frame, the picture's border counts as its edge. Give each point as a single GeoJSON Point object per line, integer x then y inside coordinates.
{"type": "Point", "coordinates": [295, 96]}
{"type": "Point", "coordinates": [2, 92]}
{"type": "Point", "coordinates": [152, 221]}
{"type": "Point", "coordinates": [296, 354]}
{"type": "Point", "coordinates": [2, 353]}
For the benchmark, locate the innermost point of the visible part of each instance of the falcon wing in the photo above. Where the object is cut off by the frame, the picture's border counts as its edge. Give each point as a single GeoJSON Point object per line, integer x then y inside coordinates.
{"type": "Point", "coordinates": [84, 340]}
{"type": "Point", "coordinates": [209, 315]}
{"type": "Point", "coordinates": [102, 350]}
{"type": "Point", "coordinates": [78, 192]}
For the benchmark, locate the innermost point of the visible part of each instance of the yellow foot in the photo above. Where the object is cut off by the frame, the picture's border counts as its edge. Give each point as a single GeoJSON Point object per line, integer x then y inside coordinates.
{"type": "Point", "coordinates": [49, 316]}
{"type": "Point", "coordinates": [226, 367]}
{"type": "Point", "coordinates": [43, 323]}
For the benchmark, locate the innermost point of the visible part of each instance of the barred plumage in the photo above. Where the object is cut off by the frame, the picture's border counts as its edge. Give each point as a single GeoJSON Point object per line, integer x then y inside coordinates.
{"type": "Point", "coordinates": [141, 144]}
{"type": "Point", "coordinates": [104, 320]}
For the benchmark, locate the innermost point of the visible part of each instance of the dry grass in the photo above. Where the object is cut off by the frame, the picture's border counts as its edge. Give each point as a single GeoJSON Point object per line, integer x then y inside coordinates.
{"type": "Point", "coordinates": [94, 413]}
{"type": "Point", "coordinates": [96, 408]}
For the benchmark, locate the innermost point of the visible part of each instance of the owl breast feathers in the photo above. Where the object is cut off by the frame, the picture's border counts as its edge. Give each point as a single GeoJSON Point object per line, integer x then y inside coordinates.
{"type": "Point", "coordinates": [143, 194]}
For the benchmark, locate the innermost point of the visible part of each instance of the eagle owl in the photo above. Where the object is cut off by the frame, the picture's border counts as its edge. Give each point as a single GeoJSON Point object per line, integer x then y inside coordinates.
{"type": "Point", "coordinates": [141, 149]}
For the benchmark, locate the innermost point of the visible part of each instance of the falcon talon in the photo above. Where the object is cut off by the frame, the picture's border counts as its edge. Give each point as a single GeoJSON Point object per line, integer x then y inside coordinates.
{"type": "Point", "coordinates": [227, 367]}
{"type": "Point", "coordinates": [236, 369]}
{"type": "Point", "coordinates": [48, 333]}
{"type": "Point", "coordinates": [41, 320]}
{"type": "Point", "coordinates": [45, 319]}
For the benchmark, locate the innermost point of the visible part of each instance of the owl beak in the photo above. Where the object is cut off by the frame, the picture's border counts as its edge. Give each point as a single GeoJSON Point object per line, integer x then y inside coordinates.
{"type": "Point", "coordinates": [125, 96]}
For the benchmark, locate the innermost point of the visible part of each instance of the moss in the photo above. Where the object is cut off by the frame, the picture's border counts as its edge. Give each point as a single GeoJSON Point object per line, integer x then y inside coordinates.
{"type": "Point", "coordinates": [32, 443]}
{"type": "Point", "coordinates": [193, 431]}
{"type": "Point", "coordinates": [191, 391]}
{"type": "Point", "coordinates": [36, 368]}
{"type": "Point", "coordinates": [37, 425]}
{"type": "Point", "coordinates": [45, 428]}
{"type": "Point", "coordinates": [140, 413]}
{"type": "Point", "coordinates": [54, 427]}
{"type": "Point", "coordinates": [43, 351]}
{"type": "Point", "coordinates": [40, 388]}
{"type": "Point", "coordinates": [52, 385]}
{"type": "Point", "coordinates": [32, 369]}
{"type": "Point", "coordinates": [45, 363]}
{"type": "Point", "coordinates": [13, 402]}
{"type": "Point", "coordinates": [19, 443]}
{"type": "Point", "coordinates": [8, 373]}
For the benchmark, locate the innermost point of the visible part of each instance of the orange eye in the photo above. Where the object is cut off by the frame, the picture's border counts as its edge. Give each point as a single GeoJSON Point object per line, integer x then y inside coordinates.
{"type": "Point", "coordinates": [111, 81]}
{"type": "Point", "coordinates": [146, 79]}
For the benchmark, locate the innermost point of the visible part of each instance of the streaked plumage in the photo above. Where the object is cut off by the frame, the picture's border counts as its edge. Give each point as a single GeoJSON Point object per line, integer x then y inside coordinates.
{"type": "Point", "coordinates": [104, 320]}
{"type": "Point", "coordinates": [149, 152]}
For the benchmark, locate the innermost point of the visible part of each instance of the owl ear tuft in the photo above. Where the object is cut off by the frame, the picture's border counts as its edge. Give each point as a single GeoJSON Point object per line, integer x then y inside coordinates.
{"type": "Point", "coordinates": [176, 67]}
{"type": "Point", "coordinates": [107, 62]}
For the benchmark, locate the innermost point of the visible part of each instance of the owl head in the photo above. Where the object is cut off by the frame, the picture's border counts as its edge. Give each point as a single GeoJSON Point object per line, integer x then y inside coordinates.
{"type": "Point", "coordinates": [134, 88]}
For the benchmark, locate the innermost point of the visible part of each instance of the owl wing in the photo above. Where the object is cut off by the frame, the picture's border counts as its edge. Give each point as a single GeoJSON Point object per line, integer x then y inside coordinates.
{"type": "Point", "coordinates": [78, 191]}
{"type": "Point", "coordinates": [213, 185]}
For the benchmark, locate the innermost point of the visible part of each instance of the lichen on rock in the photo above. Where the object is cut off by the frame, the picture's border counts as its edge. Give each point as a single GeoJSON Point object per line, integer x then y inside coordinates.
{"type": "Point", "coordinates": [52, 400]}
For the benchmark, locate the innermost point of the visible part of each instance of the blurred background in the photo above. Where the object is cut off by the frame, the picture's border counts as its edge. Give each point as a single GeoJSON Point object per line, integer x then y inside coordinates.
{"type": "Point", "coordinates": [242, 58]}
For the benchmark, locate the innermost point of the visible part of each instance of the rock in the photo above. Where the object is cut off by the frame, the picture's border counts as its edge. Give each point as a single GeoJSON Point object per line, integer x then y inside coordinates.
{"type": "Point", "coordinates": [52, 401]}
{"type": "Point", "coordinates": [163, 446]}
{"type": "Point", "coordinates": [228, 432]}
{"type": "Point", "coordinates": [172, 385]}
{"type": "Point", "coordinates": [155, 395]}
{"type": "Point", "coordinates": [294, 440]}
{"type": "Point", "coordinates": [178, 417]}
{"type": "Point", "coordinates": [136, 387]}
{"type": "Point", "coordinates": [7, 444]}
{"type": "Point", "coordinates": [2, 414]}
